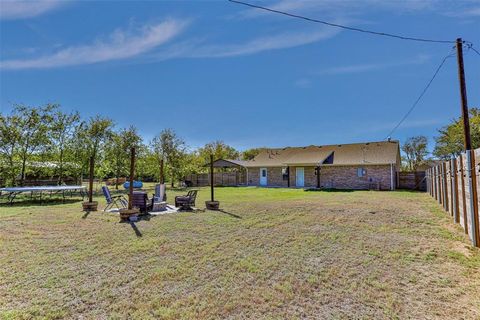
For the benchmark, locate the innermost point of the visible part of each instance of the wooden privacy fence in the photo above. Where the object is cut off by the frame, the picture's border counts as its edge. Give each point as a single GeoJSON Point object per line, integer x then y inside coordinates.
{"type": "Point", "coordinates": [220, 179]}
{"type": "Point", "coordinates": [454, 185]}
{"type": "Point", "coordinates": [414, 180]}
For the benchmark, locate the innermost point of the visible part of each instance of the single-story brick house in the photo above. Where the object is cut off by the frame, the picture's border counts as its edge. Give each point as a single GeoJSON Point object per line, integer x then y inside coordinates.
{"type": "Point", "coordinates": [371, 165]}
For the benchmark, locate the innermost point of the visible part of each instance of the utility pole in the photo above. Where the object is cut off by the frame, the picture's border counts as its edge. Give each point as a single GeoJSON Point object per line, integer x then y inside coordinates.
{"type": "Point", "coordinates": [470, 154]}
{"type": "Point", "coordinates": [463, 95]}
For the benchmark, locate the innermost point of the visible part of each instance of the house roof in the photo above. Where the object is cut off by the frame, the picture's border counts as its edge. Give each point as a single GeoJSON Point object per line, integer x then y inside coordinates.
{"type": "Point", "coordinates": [369, 153]}
{"type": "Point", "coordinates": [227, 163]}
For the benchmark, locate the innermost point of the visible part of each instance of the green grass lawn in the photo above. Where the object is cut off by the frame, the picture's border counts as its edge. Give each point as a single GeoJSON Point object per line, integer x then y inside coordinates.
{"type": "Point", "coordinates": [270, 254]}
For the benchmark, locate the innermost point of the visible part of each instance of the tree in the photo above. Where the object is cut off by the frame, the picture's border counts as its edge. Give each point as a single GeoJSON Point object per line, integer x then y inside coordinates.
{"type": "Point", "coordinates": [10, 136]}
{"type": "Point", "coordinates": [219, 149]}
{"type": "Point", "coordinates": [450, 142]}
{"type": "Point", "coordinates": [90, 138]}
{"type": "Point", "coordinates": [62, 130]}
{"type": "Point", "coordinates": [34, 125]}
{"type": "Point", "coordinates": [169, 147]}
{"type": "Point", "coordinates": [415, 150]}
{"type": "Point", "coordinates": [249, 154]}
{"type": "Point", "coordinates": [118, 150]}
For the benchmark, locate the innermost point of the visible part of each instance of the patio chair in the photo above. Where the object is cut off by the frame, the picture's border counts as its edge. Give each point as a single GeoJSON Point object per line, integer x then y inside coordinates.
{"type": "Point", "coordinates": [187, 201]}
{"type": "Point", "coordinates": [117, 201]}
{"type": "Point", "coordinates": [140, 201]}
{"type": "Point", "coordinates": [159, 198]}
{"type": "Point", "coordinates": [160, 193]}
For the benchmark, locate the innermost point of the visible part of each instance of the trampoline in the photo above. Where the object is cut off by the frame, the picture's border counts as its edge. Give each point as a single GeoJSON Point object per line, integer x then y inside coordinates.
{"type": "Point", "coordinates": [12, 192]}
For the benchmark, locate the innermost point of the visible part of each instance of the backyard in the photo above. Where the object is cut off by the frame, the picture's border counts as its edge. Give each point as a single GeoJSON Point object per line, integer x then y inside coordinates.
{"type": "Point", "coordinates": [271, 253]}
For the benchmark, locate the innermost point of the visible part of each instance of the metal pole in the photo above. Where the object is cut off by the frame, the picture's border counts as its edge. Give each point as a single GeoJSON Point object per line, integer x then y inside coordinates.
{"type": "Point", "coordinates": [90, 182]}
{"type": "Point", "coordinates": [212, 195]}
{"type": "Point", "coordinates": [132, 172]}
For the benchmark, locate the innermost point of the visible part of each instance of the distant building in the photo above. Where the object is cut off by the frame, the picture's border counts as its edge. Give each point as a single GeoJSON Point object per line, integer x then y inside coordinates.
{"type": "Point", "coordinates": [371, 165]}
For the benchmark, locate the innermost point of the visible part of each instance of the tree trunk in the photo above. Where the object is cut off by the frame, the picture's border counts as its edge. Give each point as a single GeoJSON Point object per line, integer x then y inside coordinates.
{"type": "Point", "coordinates": [60, 173]}
{"type": "Point", "coordinates": [116, 179]}
{"type": "Point", "coordinates": [173, 180]}
{"type": "Point", "coordinates": [22, 175]}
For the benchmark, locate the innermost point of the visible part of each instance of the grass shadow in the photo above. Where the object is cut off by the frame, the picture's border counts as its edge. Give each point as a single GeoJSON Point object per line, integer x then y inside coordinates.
{"type": "Point", "coordinates": [230, 214]}
{"type": "Point", "coordinates": [134, 227]}
{"type": "Point", "coordinates": [330, 190]}
{"type": "Point", "coordinates": [39, 202]}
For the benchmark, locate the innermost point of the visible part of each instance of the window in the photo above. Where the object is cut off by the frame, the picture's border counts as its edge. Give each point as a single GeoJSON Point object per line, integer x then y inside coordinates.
{"type": "Point", "coordinates": [361, 172]}
{"type": "Point", "coordinates": [264, 173]}
{"type": "Point", "coordinates": [285, 173]}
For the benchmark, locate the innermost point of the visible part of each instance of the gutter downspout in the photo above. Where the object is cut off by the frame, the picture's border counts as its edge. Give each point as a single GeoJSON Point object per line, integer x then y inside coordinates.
{"type": "Point", "coordinates": [391, 177]}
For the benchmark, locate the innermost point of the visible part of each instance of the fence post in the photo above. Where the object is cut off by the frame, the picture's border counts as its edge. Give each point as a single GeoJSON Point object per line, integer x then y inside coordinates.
{"type": "Point", "coordinates": [464, 197]}
{"type": "Point", "coordinates": [472, 179]}
{"type": "Point", "coordinates": [440, 191]}
{"type": "Point", "coordinates": [455, 206]}
{"type": "Point", "coordinates": [434, 177]}
{"type": "Point", "coordinates": [450, 186]}
{"type": "Point", "coordinates": [431, 182]}
{"type": "Point", "coordinates": [450, 193]}
{"type": "Point", "coordinates": [445, 191]}
{"type": "Point", "coordinates": [440, 184]}
{"type": "Point", "coordinates": [428, 180]}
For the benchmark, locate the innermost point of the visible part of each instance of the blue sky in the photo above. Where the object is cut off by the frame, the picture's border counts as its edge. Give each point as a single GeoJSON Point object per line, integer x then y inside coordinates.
{"type": "Point", "coordinates": [213, 70]}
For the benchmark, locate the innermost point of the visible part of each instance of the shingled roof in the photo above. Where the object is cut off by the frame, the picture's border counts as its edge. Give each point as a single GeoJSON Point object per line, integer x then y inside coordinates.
{"type": "Point", "coordinates": [369, 153]}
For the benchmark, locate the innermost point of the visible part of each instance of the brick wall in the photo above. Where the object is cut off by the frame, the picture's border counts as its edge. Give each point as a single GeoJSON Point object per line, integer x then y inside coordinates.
{"type": "Point", "coordinates": [253, 176]}
{"type": "Point", "coordinates": [338, 177]}
{"type": "Point", "coordinates": [345, 177]}
{"type": "Point", "coordinates": [274, 177]}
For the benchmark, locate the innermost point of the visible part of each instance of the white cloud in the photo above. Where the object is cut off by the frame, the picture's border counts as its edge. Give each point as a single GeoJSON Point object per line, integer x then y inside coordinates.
{"type": "Point", "coordinates": [15, 9]}
{"type": "Point", "coordinates": [359, 68]}
{"type": "Point", "coordinates": [119, 45]}
{"type": "Point", "coordinates": [279, 41]}
{"type": "Point", "coordinates": [198, 49]}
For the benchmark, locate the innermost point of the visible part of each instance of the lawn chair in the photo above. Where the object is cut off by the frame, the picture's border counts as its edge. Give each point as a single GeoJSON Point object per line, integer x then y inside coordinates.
{"type": "Point", "coordinates": [117, 201]}
{"type": "Point", "coordinates": [187, 201]}
{"type": "Point", "coordinates": [140, 201]}
{"type": "Point", "coordinates": [160, 193]}
{"type": "Point", "coordinates": [159, 199]}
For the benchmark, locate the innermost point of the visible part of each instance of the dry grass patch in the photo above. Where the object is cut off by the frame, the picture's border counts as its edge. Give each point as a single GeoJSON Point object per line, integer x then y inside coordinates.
{"type": "Point", "coordinates": [273, 253]}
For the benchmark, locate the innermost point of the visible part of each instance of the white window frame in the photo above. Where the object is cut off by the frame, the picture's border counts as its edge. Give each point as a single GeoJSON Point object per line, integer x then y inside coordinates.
{"type": "Point", "coordinates": [361, 172]}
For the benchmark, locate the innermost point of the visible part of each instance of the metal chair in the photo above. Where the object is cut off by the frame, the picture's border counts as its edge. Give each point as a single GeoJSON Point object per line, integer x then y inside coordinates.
{"type": "Point", "coordinates": [187, 201]}
{"type": "Point", "coordinates": [117, 201]}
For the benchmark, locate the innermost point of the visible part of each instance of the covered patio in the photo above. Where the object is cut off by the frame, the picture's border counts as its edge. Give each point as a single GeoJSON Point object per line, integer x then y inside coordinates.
{"type": "Point", "coordinates": [228, 173]}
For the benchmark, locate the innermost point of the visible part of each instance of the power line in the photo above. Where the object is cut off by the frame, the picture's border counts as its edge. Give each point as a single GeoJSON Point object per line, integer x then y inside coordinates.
{"type": "Point", "coordinates": [421, 94]}
{"type": "Point", "coordinates": [339, 25]}
{"type": "Point", "coordinates": [470, 47]}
